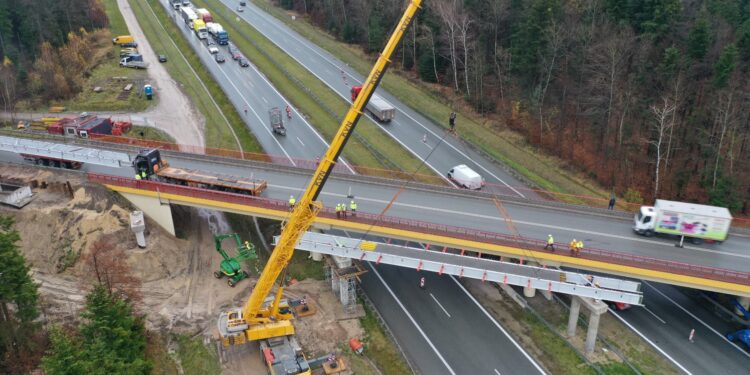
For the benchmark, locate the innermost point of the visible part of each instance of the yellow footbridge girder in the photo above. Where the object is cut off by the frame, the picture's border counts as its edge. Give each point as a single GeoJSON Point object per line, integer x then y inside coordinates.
{"type": "Point", "coordinates": [445, 240]}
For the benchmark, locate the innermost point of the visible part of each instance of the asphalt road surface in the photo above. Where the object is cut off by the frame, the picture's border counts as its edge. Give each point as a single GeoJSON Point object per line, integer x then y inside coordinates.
{"type": "Point", "coordinates": [408, 128]}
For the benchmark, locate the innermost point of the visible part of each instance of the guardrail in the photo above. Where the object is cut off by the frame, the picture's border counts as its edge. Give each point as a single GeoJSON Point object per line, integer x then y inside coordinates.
{"type": "Point", "coordinates": [602, 255]}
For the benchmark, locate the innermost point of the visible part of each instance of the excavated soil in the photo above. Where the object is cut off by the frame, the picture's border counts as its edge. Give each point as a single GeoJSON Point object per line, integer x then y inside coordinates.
{"type": "Point", "coordinates": [179, 292]}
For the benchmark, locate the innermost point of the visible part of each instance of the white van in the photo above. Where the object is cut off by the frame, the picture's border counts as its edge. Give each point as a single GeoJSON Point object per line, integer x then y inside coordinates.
{"type": "Point", "coordinates": [465, 177]}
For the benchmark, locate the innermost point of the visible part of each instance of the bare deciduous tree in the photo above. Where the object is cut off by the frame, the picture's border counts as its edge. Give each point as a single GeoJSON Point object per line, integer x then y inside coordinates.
{"type": "Point", "coordinates": [555, 35]}
{"type": "Point", "coordinates": [661, 127]}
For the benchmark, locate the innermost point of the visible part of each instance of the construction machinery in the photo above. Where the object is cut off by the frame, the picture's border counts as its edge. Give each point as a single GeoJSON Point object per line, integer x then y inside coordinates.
{"type": "Point", "coordinates": [261, 318]}
{"type": "Point", "coordinates": [231, 267]}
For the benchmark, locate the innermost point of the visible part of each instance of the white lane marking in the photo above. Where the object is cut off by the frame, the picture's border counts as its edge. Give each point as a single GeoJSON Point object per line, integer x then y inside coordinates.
{"type": "Point", "coordinates": [497, 372]}
{"type": "Point", "coordinates": [439, 173]}
{"type": "Point", "coordinates": [531, 224]}
{"type": "Point", "coordinates": [660, 350]}
{"type": "Point", "coordinates": [541, 371]}
{"type": "Point", "coordinates": [312, 129]}
{"type": "Point", "coordinates": [300, 141]}
{"type": "Point", "coordinates": [403, 308]}
{"type": "Point", "coordinates": [441, 306]}
{"type": "Point", "coordinates": [247, 104]}
{"type": "Point", "coordinates": [340, 67]}
{"type": "Point", "coordinates": [264, 99]}
{"type": "Point", "coordinates": [655, 316]}
{"type": "Point", "coordinates": [696, 318]}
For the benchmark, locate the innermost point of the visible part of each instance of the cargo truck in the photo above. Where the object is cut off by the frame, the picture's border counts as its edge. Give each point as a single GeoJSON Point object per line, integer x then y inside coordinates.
{"type": "Point", "coordinates": [380, 109]}
{"type": "Point", "coordinates": [188, 15]}
{"type": "Point", "coordinates": [220, 36]}
{"type": "Point", "coordinates": [697, 222]}
{"type": "Point", "coordinates": [204, 14]}
{"type": "Point", "coordinates": [200, 28]}
{"type": "Point", "coordinates": [123, 39]}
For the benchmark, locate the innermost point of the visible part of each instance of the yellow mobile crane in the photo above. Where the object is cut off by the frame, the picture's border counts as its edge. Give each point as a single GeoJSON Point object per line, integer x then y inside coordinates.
{"type": "Point", "coordinates": [270, 322]}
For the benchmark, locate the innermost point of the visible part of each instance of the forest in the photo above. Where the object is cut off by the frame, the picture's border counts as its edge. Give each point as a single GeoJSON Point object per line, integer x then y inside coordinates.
{"type": "Point", "coordinates": [48, 47]}
{"type": "Point", "coordinates": [647, 97]}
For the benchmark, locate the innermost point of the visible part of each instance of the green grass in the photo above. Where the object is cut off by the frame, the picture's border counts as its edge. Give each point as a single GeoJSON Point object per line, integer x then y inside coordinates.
{"type": "Point", "coordinates": [218, 133]}
{"type": "Point", "coordinates": [196, 358]}
{"type": "Point", "coordinates": [104, 76]}
{"type": "Point", "coordinates": [117, 23]}
{"type": "Point", "coordinates": [559, 357]}
{"type": "Point", "coordinates": [157, 353]}
{"type": "Point", "coordinates": [282, 71]}
{"type": "Point", "coordinates": [150, 133]}
{"type": "Point", "coordinates": [509, 148]}
{"type": "Point", "coordinates": [380, 349]}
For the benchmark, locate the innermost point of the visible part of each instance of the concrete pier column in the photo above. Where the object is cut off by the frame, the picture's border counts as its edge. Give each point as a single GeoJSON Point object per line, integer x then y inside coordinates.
{"type": "Point", "coordinates": [745, 302]}
{"type": "Point", "coordinates": [592, 331]}
{"type": "Point", "coordinates": [575, 309]}
{"type": "Point", "coordinates": [529, 292]}
{"type": "Point", "coordinates": [138, 226]}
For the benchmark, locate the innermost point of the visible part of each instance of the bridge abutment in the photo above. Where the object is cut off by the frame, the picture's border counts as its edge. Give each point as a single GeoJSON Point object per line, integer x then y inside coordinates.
{"type": "Point", "coordinates": [154, 208]}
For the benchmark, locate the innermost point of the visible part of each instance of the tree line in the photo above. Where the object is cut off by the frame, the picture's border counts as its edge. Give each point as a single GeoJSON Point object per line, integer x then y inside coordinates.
{"type": "Point", "coordinates": [46, 47]}
{"type": "Point", "coordinates": [649, 96]}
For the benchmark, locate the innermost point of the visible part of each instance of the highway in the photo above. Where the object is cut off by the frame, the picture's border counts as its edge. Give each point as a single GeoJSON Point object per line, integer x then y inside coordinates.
{"type": "Point", "coordinates": [408, 128]}
{"type": "Point", "coordinates": [249, 90]}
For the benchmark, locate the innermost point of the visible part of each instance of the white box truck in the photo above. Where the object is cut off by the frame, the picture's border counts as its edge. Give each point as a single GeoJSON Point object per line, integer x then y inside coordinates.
{"type": "Point", "coordinates": [695, 221]}
{"type": "Point", "coordinates": [381, 109]}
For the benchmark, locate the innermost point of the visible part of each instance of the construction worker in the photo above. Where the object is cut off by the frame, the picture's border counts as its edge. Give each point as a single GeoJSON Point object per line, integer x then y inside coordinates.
{"type": "Point", "coordinates": [343, 210]}
{"type": "Point", "coordinates": [452, 121]}
{"type": "Point", "coordinates": [338, 210]}
{"type": "Point", "coordinates": [579, 247]}
{"type": "Point", "coordinates": [550, 243]}
{"type": "Point", "coordinates": [144, 175]}
{"type": "Point", "coordinates": [573, 244]}
{"type": "Point", "coordinates": [353, 207]}
{"type": "Point", "coordinates": [292, 202]}
{"type": "Point", "coordinates": [137, 176]}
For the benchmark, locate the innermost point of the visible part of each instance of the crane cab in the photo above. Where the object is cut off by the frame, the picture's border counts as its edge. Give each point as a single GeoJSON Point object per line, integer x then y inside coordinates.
{"type": "Point", "coordinates": [148, 161]}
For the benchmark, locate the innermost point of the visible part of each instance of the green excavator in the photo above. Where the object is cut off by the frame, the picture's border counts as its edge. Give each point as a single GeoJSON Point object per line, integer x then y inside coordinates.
{"type": "Point", "coordinates": [231, 267]}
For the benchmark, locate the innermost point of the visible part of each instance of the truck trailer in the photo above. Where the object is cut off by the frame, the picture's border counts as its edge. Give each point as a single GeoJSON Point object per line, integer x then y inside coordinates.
{"type": "Point", "coordinates": [200, 28]}
{"type": "Point", "coordinates": [379, 107]}
{"type": "Point", "coordinates": [221, 37]}
{"type": "Point", "coordinates": [204, 14]}
{"type": "Point", "coordinates": [188, 15]}
{"type": "Point", "coordinates": [694, 221]}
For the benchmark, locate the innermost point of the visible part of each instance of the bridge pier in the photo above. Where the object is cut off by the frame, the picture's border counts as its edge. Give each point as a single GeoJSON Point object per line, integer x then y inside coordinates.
{"type": "Point", "coordinates": [154, 208]}
{"type": "Point", "coordinates": [596, 309]}
{"type": "Point", "coordinates": [745, 303]}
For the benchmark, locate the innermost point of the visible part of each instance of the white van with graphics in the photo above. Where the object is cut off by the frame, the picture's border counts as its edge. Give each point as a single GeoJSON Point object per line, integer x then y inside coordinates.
{"type": "Point", "coordinates": [465, 177]}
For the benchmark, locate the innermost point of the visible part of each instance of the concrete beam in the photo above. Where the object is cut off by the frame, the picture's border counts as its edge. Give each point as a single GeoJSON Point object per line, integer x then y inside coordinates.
{"type": "Point", "coordinates": [158, 211]}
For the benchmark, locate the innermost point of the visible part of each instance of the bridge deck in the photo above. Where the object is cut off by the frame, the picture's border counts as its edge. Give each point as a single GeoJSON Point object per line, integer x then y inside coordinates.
{"type": "Point", "coordinates": [608, 261]}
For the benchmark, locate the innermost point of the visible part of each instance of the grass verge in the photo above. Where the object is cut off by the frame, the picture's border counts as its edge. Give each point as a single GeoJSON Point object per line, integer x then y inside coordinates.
{"type": "Point", "coordinates": [152, 16]}
{"type": "Point", "coordinates": [157, 353]}
{"type": "Point", "coordinates": [379, 349]}
{"type": "Point", "coordinates": [197, 358]}
{"type": "Point", "coordinates": [509, 148]}
{"type": "Point", "coordinates": [150, 133]}
{"type": "Point", "coordinates": [370, 147]}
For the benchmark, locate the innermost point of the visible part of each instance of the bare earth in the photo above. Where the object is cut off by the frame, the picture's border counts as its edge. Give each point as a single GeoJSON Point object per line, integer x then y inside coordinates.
{"type": "Point", "coordinates": [173, 113]}
{"type": "Point", "coordinates": [180, 293]}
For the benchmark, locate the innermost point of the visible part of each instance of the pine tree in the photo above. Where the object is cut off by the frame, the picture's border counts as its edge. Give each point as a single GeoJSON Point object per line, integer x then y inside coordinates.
{"type": "Point", "coordinates": [18, 301]}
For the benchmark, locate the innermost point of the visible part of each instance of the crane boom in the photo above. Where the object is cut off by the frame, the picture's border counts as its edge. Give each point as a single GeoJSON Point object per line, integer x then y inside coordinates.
{"type": "Point", "coordinates": [260, 322]}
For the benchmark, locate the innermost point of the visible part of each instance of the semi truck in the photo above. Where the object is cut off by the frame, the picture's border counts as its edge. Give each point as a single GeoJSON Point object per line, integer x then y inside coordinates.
{"type": "Point", "coordinates": [188, 15]}
{"type": "Point", "coordinates": [377, 106]}
{"type": "Point", "coordinates": [200, 28]}
{"type": "Point", "coordinates": [204, 14]}
{"type": "Point", "coordinates": [695, 221]}
{"type": "Point", "coordinates": [220, 36]}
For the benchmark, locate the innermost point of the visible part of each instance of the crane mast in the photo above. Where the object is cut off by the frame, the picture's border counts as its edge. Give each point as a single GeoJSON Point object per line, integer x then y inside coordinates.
{"type": "Point", "coordinates": [254, 321]}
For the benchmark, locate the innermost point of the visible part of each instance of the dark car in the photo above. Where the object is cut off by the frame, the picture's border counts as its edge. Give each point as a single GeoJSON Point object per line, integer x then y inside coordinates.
{"type": "Point", "coordinates": [219, 58]}
{"type": "Point", "coordinates": [242, 3]}
{"type": "Point", "coordinates": [162, 58]}
{"type": "Point", "coordinates": [129, 45]}
{"type": "Point", "coordinates": [243, 62]}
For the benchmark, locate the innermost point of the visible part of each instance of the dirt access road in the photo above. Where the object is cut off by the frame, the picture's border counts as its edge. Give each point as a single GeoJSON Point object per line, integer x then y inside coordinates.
{"type": "Point", "coordinates": [174, 113]}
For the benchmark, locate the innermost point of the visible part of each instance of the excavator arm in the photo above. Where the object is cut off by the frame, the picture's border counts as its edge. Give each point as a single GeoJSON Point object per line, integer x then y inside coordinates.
{"type": "Point", "coordinates": [307, 207]}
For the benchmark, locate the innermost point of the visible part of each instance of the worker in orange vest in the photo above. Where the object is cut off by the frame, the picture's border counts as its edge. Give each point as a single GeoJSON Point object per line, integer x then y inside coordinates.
{"type": "Point", "coordinates": [573, 244]}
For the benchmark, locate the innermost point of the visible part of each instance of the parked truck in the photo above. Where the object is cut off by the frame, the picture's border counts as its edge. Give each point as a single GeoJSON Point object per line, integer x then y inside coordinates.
{"type": "Point", "coordinates": [200, 28]}
{"type": "Point", "coordinates": [123, 39]}
{"type": "Point", "coordinates": [204, 14]}
{"type": "Point", "coordinates": [697, 222]}
{"type": "Point", "coordinates": [133, 61]}
{"type": "Point", "coordinates": [217, 32]}
{"type": "Point", "coordinates": [380, 109]}
{"type": "Point", "coordinates": [188, 15]}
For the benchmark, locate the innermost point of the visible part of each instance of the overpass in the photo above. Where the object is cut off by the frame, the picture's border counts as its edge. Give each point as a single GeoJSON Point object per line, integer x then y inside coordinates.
{"type": "Point", "coordinates": [456, 238]}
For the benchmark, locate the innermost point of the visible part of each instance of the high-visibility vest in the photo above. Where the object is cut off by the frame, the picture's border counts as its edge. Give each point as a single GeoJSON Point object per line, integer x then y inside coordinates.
{"type": "Point", "coordinates": [580, 245]}
{"type": "Point", "coordinates": [292, 201]}
{"type": "Point", "coordinates": [338, 207]}
{"type": "Point", "coordinates": [143, 174]}
{"type": "Point", "coordinates": [137, 176]}
{"type": "Point", "coordinates": [353, 205]}
{"type": "Point", "coordinates": [550, 240]}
